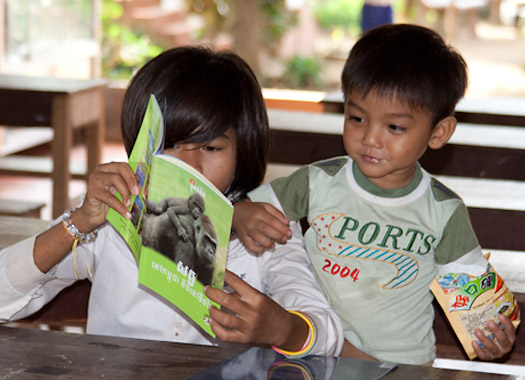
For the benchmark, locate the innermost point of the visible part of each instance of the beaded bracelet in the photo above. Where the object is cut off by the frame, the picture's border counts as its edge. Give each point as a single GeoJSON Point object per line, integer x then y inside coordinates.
{"type": "Point", "coordinates": [73, 231]}
{"type": "Point", "coordinates": [312, 336]}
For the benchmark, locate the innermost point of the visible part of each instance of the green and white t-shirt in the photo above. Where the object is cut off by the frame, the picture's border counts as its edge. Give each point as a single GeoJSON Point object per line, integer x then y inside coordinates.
{"type": "Point", "coordinates": [375, 251]}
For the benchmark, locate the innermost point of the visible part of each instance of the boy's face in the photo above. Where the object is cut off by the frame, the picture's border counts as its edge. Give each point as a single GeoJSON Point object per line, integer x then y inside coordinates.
{"type": "Point", "coordinates": [216, 159]}
{"type": "Point", "coordinates": [385, 138]}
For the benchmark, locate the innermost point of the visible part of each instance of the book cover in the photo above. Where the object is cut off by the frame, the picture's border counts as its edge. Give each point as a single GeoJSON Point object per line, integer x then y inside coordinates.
{"type": "Point", "coordinates": [180, 226]}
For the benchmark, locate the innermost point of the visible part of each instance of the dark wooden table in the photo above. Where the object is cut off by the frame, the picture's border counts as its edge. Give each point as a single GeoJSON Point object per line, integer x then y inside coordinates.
{"type": "Point", "coordinates": [63, 104]}
{"type": "Point", "coordinates": [35, 354]}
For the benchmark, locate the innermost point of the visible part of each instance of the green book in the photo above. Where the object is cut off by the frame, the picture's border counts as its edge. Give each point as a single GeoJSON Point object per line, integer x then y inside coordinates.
{"type": "Point", "coordinates": [180, 226]}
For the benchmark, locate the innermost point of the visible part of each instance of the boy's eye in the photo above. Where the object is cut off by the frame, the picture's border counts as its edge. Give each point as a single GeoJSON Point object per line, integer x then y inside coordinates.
{"type": "Point", "coordinates": [396, 128]}
{"type": "Point", "coordinates": [356, 119]}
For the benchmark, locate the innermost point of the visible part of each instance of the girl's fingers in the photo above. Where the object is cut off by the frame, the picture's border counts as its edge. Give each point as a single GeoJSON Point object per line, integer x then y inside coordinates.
{"type": "Point", "coordinates": [227, 334]}
{"type": "Point", "coordinates": [121, 173]}
{"type": "Point", "coordinates": [233, 302]}
{"type": "Point", "coordinates": [110, 177]}
{"type": "Point", "coordinates": [226, 319]}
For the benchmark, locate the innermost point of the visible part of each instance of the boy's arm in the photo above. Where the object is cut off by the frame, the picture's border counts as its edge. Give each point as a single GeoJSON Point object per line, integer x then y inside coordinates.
{"type": "Point", "coordinates": [259, 225]}
{"type": "Point", "coordinates": [458, 232]}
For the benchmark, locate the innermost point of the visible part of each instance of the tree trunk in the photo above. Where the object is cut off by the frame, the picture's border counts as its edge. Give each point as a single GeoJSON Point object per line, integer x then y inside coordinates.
{"type": "Point", "coordinates": [246, 31]}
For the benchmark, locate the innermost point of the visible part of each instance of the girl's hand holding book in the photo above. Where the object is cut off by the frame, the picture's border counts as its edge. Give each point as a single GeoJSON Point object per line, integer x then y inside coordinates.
{"type": "Point", "coordinates": [105, 180]}
{"type": "Point", "coordinates": [253, 317]}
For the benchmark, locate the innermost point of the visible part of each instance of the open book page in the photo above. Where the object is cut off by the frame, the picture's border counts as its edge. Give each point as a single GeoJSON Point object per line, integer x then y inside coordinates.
{"type": "Point", "coordinates": [180, 226]}
{"type": "Point", "coordinates": [149, 142]}
{"type": "Point", "coordinates": [185, 236]}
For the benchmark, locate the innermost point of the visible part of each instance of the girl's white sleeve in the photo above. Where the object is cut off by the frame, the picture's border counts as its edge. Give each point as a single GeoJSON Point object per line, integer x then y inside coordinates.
{"type": "Point", "coordinates": [24, 289]}
{"type": "Point", "coordinates": [289, 281]}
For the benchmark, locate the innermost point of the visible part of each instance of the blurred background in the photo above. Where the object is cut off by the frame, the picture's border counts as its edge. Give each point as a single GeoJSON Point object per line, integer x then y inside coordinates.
{"type": "Point", "coordinates": [290, 44]}
{"type": "Point", "coordinates": [298, 44]}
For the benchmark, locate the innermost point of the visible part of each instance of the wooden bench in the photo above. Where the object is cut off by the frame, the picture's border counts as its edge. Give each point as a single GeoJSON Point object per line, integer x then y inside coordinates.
{"type": "Point", "coordinates": [488, 147]}
{"type": "Point", "coordinates": [20, 208]}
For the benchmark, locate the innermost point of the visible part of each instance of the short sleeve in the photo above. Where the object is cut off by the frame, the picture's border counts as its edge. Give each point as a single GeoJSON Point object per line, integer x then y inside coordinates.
{"type": "Point", "coordinates": [458, 237]}
{"type": "Point", "coordinates": [290, 194]}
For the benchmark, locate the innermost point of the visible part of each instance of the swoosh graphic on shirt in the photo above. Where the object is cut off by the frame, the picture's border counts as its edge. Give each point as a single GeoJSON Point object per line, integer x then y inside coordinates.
{"type": "Point", "coordinates": [405, 265]}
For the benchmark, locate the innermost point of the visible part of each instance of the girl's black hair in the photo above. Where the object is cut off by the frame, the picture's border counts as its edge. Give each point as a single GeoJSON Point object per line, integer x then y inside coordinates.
{"type": "Point", "coordinates": [408, 63]}
{"type": "Point", "coordinates": [201, 94]}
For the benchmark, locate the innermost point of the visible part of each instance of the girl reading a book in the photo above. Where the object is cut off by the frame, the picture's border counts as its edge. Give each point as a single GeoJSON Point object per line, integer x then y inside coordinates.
{"type": "Point", "coordinates": [215, 121]}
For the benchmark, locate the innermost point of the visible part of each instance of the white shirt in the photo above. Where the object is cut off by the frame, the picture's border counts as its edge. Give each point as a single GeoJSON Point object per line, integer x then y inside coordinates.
{"type": "Point", "coordinates": [118, 306]}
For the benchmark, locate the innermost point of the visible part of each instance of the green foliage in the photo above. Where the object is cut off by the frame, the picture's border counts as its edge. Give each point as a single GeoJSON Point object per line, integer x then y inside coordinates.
{"type": "Point", "coordinates": [302, 72]}
{"type": "Point", "coordinates": [343, 14]}
{"type": "Point", "coordinates": [276, 18]}
{"type": "Point", "coordinates": [123, 51]}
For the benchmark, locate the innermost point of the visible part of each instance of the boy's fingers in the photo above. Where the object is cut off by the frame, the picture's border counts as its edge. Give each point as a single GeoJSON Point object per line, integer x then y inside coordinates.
{"type": "Point", "coordinates": [504, 333]}
{"type": "Point", "coordinates": [270, 234]}
{"type": "Point", "coordinates": [501, 343]}
{"type": "Point", "coordinates": [275, 225]}
{"type": "Point", "coordinates": [507, 328]}
{"type": "Point", "coordinates": [262, 241]}
{"type": "Point", "coordinates": [276, 213]}
{"type": "Point", "coordinates": [253, 247]}
{"type": "Point", "coordinates": [481, 354]}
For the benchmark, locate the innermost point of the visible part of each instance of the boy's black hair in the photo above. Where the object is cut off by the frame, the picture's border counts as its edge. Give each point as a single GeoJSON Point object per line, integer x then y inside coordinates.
{"type": "Point", "coordinates": [201, 94]}
{"type": "Point", "coordinates": [408, 63]}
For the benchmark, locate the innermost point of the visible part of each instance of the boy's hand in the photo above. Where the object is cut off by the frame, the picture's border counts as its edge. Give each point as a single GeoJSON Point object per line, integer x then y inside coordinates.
{"type": "Point", "coordinates": [253, 317]}
{"type": "Point", "coordinates": [260, 225]}
{"type": "Point", "coordinates": [504, 338]}
{"type": "Point", "coordinates": [102, 184]}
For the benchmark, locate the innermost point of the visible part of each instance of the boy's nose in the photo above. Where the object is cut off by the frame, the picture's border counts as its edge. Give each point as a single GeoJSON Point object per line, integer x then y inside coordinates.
{"type": "Point", "coordinates": [371, 136]}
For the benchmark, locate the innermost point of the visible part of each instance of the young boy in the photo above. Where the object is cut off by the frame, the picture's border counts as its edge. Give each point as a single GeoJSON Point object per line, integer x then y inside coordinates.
{"type": "Point", "coordinates": [381, 228]}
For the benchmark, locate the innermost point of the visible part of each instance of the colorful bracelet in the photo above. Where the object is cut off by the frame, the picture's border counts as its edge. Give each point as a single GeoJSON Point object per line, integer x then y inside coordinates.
{"type": "Point", "coordinates": [280, 368]}
{"type": "Point", "coordinates": [312, 336]}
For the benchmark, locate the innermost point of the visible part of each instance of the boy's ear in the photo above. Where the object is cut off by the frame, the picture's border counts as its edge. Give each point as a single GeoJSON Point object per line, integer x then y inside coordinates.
{"type": "Point", "coordinates": [442, 132]}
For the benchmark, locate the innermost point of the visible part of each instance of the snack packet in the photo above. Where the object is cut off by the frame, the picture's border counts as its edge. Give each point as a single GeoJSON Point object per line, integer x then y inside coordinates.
{"type": "Point", "coordinates": [469, 302]}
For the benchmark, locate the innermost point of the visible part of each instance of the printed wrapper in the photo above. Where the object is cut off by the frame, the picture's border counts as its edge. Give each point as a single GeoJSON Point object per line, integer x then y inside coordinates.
{"type": "Point", "coordinates": [469, 302]}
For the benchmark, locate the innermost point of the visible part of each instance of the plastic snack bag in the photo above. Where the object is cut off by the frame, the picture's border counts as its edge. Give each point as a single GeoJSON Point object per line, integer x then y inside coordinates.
{"type": "Point", "coordinates": [469, 302]}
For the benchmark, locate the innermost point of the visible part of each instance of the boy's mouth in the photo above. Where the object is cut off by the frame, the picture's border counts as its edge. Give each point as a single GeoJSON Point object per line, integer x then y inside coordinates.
{"type": "Point", "coordinates": [370, 159]}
